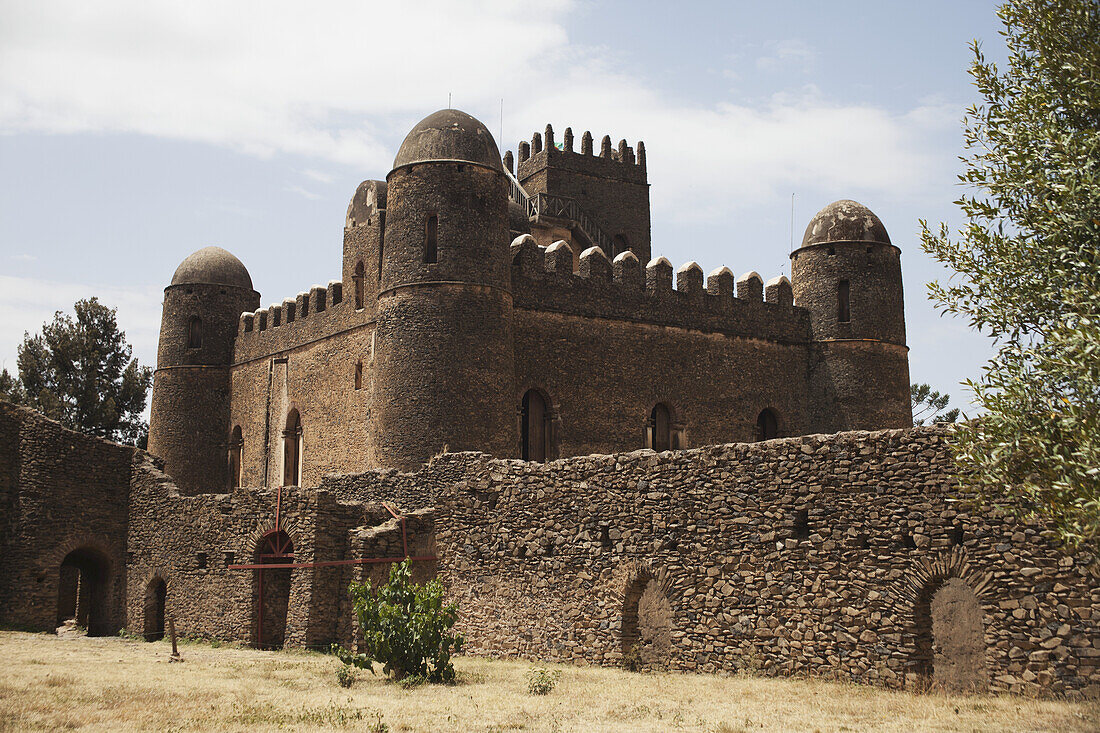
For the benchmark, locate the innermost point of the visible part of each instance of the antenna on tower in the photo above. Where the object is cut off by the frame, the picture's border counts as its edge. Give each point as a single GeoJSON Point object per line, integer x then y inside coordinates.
{"type": "Point", "coordinates": [448, 100]}
{"type": "Point", "coordinates": [792, 222]}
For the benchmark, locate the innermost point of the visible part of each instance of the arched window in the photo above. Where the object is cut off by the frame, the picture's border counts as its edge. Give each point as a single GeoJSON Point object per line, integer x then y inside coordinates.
{"type": "Point", "coordinates": [659, 429]}
{"type": "Point", "coordinates": [767, 426]}
{"type": "Point", "coordinates": [619, 244]}
{"type": "Point", "coordinates": [236, 448]}
{"type": "Point", "coordinates": [843, 302]}
{"type": "Point", "coordinates": [194, 333]}
{"type": "Point", "coordinates": [431, 244]}
{"type": "Point", "coordinates": [535, 427]}
{"type": "Point", "coordinates": [357, 282]}
{"type": "Point", "coordinates": [292, 450]}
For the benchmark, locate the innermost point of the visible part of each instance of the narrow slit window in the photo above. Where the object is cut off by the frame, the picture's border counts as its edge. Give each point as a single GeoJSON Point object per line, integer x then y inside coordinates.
{"type": "Point", "coordinates": [359, 374]}
{"type": "Point", "coordinates": [431, 244]}
{"type": "Point", "coordinates": [843, 302]}
{"type": "Point", "coordinates": [381, 243]}
{"type": "Point", "coordinates": [357, 280]}
{"type": "Point", "coordinates": [194, 333]}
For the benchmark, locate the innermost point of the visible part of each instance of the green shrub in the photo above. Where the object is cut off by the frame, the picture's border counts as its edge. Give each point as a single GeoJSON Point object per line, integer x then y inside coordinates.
{"type": "Point", "coordinates": [632, 659]}
{"type": "Point", "coordinates": [406, 628]}
{"type": "Point", "coordinates": [541, 681]}
{"type": "Point", "coordinates": [345, 675]}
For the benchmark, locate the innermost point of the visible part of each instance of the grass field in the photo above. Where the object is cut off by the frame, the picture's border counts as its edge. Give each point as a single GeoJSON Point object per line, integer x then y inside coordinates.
{"type": "Point", "coordinates": [51, 683]}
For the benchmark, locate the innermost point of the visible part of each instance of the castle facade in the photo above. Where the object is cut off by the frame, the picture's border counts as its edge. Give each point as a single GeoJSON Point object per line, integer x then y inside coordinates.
{"type": "Point", "coordinates": [518, 312]}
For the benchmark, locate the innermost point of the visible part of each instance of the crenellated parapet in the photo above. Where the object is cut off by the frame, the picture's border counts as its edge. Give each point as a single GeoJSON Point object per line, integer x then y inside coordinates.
{"type": "Point", "coordinates": [311, 314]}
{"type": "Point", "coordinates": [543, 279]}
{"type": "Point", "coordinates": [620, 161]}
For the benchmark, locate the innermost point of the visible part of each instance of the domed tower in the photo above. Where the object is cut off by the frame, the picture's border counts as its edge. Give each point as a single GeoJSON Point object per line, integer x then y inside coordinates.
{"type": "Point", "coordinates": [848, 275]}
{"type": "Point", "coordinates": [189, 420]}
{"type": "Point", "coordinates": [444, 367]}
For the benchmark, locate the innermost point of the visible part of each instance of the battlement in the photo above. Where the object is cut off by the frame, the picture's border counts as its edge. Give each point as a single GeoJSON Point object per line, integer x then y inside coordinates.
{"type": "Point", "coordinates": [310, 314]}
{"type": "Point", "coordinates": [544, 279]}
{"type": "Point", "coordinates": [619, 162]}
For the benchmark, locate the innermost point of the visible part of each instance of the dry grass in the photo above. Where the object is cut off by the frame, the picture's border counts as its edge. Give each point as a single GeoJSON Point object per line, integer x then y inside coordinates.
{"type": "Point", "coordinates": [47, 683]}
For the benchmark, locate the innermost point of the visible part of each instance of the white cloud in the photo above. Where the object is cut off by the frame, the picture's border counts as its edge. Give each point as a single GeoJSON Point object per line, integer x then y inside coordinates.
{"type": "Point", "coordinates": [27, 303]}
{"type": "Point", "coordinates": [304, 193]}
{"type": "Point", "coordinates": [319, 176]}
{"type": "Point", "coordinates": [339, 81]}
{"type": "Point", "coordinates": [790, 52]}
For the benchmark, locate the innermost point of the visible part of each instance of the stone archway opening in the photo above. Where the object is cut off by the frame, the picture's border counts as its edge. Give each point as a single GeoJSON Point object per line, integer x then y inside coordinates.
{"type": "Point", "coordinates": [156, 596]}
{"type": "Point", "coordinates": [272, 589]}
{"type": "Point", "coordinates": [950, 638]}
{"type": "Point", "coordinates": [646, 624]}
{"type": "Point", "coordinates": [82, 591]}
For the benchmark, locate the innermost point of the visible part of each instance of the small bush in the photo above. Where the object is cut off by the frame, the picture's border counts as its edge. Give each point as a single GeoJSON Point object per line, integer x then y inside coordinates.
{"type": "Point", "coordinates": [406, 628]}
{"type": "Point", "coordinates": [632, 659]}
{"type": "Point", "coordinates": [541, 681]}
{"type": "Point", "coordinates": [345, 675]}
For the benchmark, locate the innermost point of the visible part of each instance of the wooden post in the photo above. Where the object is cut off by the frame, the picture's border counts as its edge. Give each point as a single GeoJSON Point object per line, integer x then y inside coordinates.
{"type": "Point", "coordinates": [172, 631]}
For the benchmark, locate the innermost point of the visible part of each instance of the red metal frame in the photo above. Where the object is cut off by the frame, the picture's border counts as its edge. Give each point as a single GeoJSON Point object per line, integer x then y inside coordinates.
{"type": "Point", "coordinates": [279, 551]}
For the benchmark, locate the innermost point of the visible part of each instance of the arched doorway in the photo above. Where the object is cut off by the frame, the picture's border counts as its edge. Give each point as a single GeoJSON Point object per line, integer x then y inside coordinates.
{"type": "Point", "coordinates": [659, 429]}
{"type": "Point", "coordinates": [950, 641]}
{"type": "Point", "coordinates": [647, 623]}
{"type": "Point", "coordinates": [292, 450]}
{"type": "Point", "coordinates": [82, 591]}
{"type": "Point", "coordinates": [272, 599]}
{"type": "Point", "coordinates": [767, 425]}
{"type": "Point", "coordinates": [156, 594]}
{"type": "Point", "coordinates": [535, 427]}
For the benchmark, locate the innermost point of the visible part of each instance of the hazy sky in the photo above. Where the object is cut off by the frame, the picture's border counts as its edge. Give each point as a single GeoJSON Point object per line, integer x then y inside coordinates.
{"type": "Point", "coordinates": [133, 133]}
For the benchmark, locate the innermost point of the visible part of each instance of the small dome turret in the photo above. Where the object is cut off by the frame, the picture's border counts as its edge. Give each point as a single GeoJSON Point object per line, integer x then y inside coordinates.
{"type": "Point", "coordinates": [449, 134]}
{"type": "Point", "coordinates": [212, 266]}
{"type": "Point", "coordinates": [845, 221]}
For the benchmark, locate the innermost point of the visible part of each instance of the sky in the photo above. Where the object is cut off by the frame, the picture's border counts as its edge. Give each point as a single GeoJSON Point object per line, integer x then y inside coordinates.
{"type": "Point", "coordinates": [134, 133]}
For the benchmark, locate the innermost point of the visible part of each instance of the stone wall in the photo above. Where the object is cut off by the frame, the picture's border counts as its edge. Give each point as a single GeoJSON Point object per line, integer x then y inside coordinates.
{"type": "Point", "coordinates": [192, 543]}
{"type": "Point", "coordinates": [824, 555]}
{"type": "Point", "coordinates": [64, 497]}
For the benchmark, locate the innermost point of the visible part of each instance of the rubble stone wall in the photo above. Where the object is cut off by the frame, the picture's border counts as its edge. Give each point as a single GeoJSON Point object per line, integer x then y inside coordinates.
{"type": "Point", "coordinates": [61, 492]}
{"type": "Point", "coordinates": [818, 555]}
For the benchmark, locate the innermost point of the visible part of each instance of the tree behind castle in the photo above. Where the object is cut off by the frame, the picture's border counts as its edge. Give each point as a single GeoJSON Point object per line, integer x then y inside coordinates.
{"type": "Point", "coordinates": [80, 373]}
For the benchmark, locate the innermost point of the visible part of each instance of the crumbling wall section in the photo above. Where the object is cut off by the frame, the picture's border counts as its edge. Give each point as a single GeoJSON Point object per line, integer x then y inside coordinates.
{"type": "Point", "coordinates": [814, 555]}
{"type": "Point", "coordinates": [61, 491]}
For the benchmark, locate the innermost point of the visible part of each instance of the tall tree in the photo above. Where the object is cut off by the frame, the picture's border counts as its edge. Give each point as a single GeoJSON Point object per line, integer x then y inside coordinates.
{"type": "Point", "coordinates": [930, 406]}
{"type": "Point", "coordinates": [1028, 268]}
{"type": "Point", "coordinates": [80, 373]}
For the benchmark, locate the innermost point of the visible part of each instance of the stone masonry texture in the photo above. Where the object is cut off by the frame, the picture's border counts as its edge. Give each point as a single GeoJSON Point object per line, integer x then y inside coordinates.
{"type": "Point", "coordinates": [843, 555]}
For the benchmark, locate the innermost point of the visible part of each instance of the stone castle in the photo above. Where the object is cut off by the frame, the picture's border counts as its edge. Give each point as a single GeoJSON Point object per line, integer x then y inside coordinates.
{"type": "Point", "coordinates": [602, 465]}
{"type": "Point", "coordinates": [571, 341]}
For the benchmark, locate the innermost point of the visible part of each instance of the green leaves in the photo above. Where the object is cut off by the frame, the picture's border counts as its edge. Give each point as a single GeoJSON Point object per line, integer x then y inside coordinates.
{"type": "Point", "coordinates": [80, 373]}
{"type": "Point", "coordinates": [1028, 268]}
{"type": "Point", "coordinates": [405, 627]}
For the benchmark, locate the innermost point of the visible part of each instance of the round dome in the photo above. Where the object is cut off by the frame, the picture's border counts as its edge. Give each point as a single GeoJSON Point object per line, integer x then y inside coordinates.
{"type": "Point", "coordinates": [212, 266]}
{"type": "Point", "coordinates": [845, 221]}
{"type": "Point", "coordinates": [449, 135]}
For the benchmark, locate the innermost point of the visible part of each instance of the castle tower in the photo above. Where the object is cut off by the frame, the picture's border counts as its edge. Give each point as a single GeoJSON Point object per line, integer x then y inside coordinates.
{"type": "Point", "coordinates": [444, 366]}
{"type": "Point", "coordinates": [587, 197]}
{"type": "Point", "coordinates": [189, 420]}
{"type": "Point", "coordinates": [848, 275]}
